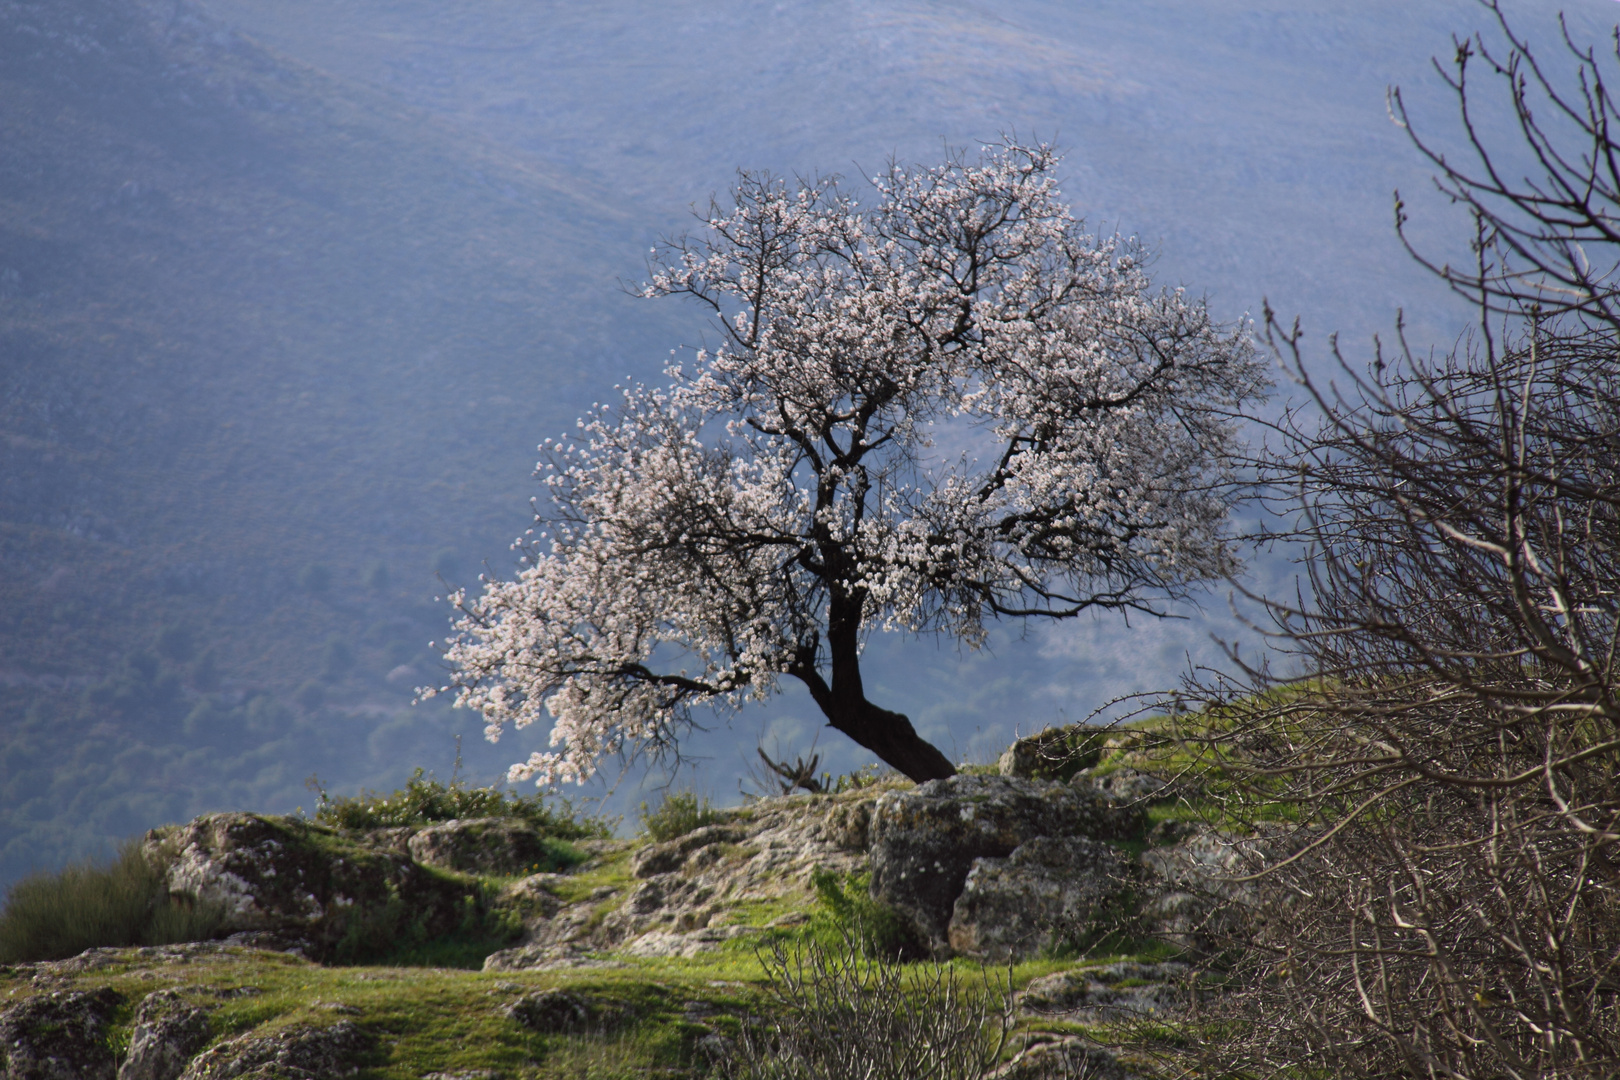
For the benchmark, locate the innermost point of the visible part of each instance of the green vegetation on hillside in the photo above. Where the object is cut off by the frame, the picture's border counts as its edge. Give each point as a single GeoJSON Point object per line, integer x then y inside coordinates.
{"type": "Point", "coordinates": [51, 916]}
{"type": "Point", "coordinates": [425, 799]}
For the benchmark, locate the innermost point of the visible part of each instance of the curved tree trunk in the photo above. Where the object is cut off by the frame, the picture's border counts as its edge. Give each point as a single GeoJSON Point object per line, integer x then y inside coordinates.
{"type": "Point", "coordinates": [887, 734]}
{"type": "Point", "coordinates": [891, 737]}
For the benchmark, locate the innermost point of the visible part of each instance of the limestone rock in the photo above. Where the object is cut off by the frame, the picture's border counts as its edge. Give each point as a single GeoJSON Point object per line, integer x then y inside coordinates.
{"type": "Point", "coordinates": [532, 896]}
{"type": "Point", "coordinates": [1062, 1059]}
{"type": "Point", "coordinates": [1048, 889]}
{"type": "Point", "coordinates": [684, 900]}
{"type": "Point", "coordinates": [849, 825]}
{"type": "Point", "coordinates": [1129, 786]}
{"type": "Point", "coordinates": [482, 846]}
{"type": "Point", "coordinates": [298, 881]}
{"type": "Point", "coordinates": [924, 841]}
{"type": "Point", "coordinates": [665, 943]}
{"type": "Point", "coordinates": [1053, 754]}
{"type": "Point", "coordinates": [1197, 883]}
{"type": "Point", "coordinates": [168, 1033]}
{"type": "Point", "coordinates": [299, 1053]}
{"type": "Point", "coordinates": [561, 956]}
{"type": "Point", "coordinates": [672, 855]}
{"type": "Point", "coordinates": [550, 1012]}
{"type": "Point", "coordinates": [59, 1036]}
{"type": "Point", "coordinates": [1109, 992]}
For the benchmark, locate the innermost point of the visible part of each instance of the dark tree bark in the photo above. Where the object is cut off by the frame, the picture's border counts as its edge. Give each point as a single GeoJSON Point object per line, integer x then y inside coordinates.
{"type": "Point", "coordinates": [887, 734]}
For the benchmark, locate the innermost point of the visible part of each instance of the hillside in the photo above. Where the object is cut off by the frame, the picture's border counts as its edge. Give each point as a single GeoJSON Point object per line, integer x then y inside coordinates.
{"type": "Point", "coordinates": [275, 351]}
{"type": "Point", "coordinates": [289, 292]}
{"type": "Point", "coordinates": [629, 958]}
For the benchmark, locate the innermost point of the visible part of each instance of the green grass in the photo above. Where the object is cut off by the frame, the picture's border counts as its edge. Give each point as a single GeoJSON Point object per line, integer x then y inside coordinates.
{"type": "Point", "coordinates": [431, 1020]}
{"type": "Point", "coordinates": [124, 901]}
{"type": "Point", "coordinates": [849, 910]}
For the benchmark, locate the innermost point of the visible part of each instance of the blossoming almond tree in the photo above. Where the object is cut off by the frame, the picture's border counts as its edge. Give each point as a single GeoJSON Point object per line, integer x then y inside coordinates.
{"type": "Point", "coordinates": [950, 406]}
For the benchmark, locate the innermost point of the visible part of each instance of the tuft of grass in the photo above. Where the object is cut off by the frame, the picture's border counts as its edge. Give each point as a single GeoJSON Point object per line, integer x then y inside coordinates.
{"type": "Point", "coordinates": [123, 902]}
{"type": "Point", "coordinates": [425, 800]}
{"type": "Point", "coordinates": [680, 813]}
{"type": "Point", "coordinates": [848, 906]}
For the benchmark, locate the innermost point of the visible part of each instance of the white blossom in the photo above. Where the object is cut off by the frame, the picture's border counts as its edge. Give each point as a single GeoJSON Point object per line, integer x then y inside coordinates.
{"type": "Point", "coordinates": [783, 495]}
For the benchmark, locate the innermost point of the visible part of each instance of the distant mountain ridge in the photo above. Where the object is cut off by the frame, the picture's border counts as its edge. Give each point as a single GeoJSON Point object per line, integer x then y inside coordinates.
{"type": "Point", "coordinates": [252, 321]}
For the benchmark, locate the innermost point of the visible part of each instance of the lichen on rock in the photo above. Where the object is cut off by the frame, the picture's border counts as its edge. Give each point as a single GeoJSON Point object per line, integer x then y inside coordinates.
{"type": "Point", "coordinates": [1048, 890]}
{"type": "Point", "coordinates": [501, 846]}
{"type": "Point", "coordinates": [169, 1031]}
{"type": "Point", "coordinates": [290, 1053]}
{"type": "Point", "coordinates": [59, 1036]}
{"type": "Point", "coordinates": [924, 841]}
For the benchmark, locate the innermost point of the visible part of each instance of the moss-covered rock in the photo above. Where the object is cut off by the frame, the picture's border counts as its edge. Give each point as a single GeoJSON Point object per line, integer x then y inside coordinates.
{"type": "Point", "coordinates": [287, 1053]}
{"type": "Point", "coordinates": [311, 885]}
{"type": "Point", "coordinates": [60, 1035]}
{"type": "Point", "coordinates": [497, 846]}
{"type": "Point", "coordinates": [924, 842]}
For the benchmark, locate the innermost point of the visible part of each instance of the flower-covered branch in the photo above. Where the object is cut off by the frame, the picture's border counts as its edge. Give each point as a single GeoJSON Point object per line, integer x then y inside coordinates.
{"type": "Point", "coordinates": [791, 491]}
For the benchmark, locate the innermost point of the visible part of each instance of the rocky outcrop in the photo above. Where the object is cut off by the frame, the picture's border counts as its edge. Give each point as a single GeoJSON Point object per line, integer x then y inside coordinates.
{"type": "Point", "coordinates": [1063, 1059]}
{"type": "Point", "coordinates": [1053, 754]}
{"type": "Point", "coordinates": [992, 866]}
{"type": "Point", "coordinates": [1107, 992]}
{"type": "Point", "coordinates": [59, 1036]}
{"type": "Point", "coordinates": [1126, 785]}
{"type": "Point", "coordinates": [300, 882]}
{"type": "Point", "coordinates": [1049, 890]}
{"type": "Point", "coordinates": [673, 855]}
{"type": "Point", "coordinates": [502, 846]}
{"type": "Point", "coordinates": [550, 1012]}
{"type": "Point", "coordinates": [292, 1053]}
{"type": "Point", "coordinates": [169, 1031]}
{"type": "Point", "coordinates": [686, 890]}
{"type": "Point", "coordinates": [924, 842]}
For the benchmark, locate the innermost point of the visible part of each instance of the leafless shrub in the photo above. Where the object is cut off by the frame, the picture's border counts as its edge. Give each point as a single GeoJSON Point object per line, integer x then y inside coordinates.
{"type": "Point", "coordinates": [838, 1014]}
{"type": "Point", "coordinates": [1451, 750]}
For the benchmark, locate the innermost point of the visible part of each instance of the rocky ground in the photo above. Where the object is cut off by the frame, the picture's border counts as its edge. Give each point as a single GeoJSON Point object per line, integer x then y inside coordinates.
{"type": "Point", "coordinates": [632, 947]}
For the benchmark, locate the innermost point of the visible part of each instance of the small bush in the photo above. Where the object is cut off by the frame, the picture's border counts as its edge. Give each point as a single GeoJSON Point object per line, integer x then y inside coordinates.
{"type": "Point", "coordinates": [558, 857]}
{"type": "Point", "coordinates": [836, 1013]}
{"type": "Point", "coordinates": [677, 815]}
{"type": "Point", "coordinates": [125, 902]}
{"type": "Point", "coordinates": [424, 800]}
{"type": "Point", "coordinates": [864, 777]}
{"type": "Point", "coordinates": [876, 928]}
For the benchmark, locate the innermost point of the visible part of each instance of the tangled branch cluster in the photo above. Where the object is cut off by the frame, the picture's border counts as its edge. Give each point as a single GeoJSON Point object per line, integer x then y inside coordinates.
{"type": "Point", "coordinates": [1453, 747]}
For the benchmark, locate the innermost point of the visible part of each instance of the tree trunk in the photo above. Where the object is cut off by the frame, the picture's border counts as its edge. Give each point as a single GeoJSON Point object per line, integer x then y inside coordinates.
{"type": "Point", "coordinates": [887, 734]}
{"type": "Point", "coordinates": [891, 737]}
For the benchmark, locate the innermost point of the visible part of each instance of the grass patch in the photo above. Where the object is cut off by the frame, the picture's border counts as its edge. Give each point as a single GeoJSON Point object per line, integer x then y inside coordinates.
{"type": "Point", "coordinates": [122, 902]}
{"type": "Point", "coordinates": [847, 907]}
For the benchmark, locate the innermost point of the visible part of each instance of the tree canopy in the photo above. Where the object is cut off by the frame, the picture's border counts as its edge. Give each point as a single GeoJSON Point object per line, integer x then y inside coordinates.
{"type": "Point", "coordinates": [947, 406]}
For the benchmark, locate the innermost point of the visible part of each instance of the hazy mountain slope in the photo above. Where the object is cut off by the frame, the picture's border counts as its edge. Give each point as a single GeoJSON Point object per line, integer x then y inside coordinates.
{"type": "Point", "coordinates": [289, 285]}
{"type": "Point", "coordinates": [252, 321]}
{"type": "Point", "coordinates": [1246, 138]}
